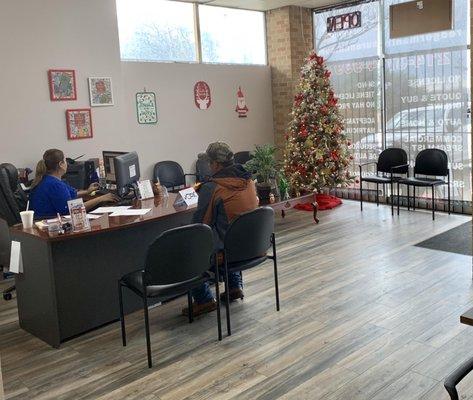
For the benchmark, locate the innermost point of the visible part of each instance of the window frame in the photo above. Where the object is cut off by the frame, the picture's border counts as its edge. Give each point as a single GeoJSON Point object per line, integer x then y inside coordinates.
{"type": "Point", "coordinates": [198, 40]}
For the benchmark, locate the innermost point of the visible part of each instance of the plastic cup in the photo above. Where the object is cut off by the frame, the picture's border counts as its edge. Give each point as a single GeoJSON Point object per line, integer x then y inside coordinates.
{"type": "Point", "coordinates": [27, 219]}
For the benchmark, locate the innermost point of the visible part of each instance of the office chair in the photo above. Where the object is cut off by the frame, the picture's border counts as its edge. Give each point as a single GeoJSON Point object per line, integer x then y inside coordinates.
{"type": "Point", "coordinates": [242, 157]}
{"type": "Point", "coordinates": [433, 163]}
{"type": "Point", "coordinates": [13, 199]}
{"type": "Point", "coordinates": [246, 243]}
{"type": "Point", "coordinates": [170, 174]}
{"type": "Point", "coordinates": [391, 161]}
{"type": "Point", "coordinates": [177, 262]}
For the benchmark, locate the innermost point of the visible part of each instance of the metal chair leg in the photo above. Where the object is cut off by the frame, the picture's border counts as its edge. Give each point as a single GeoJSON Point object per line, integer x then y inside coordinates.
{"type": "Point", "coordinates": [433, 204]}
{"type": "Point", "coordinates": [275, 262]}
{"type": "Point", "coordinates": [398, 198]}
{"type": "Point", "coordinates": [189, 305]}
{"type": "Point", "coordinates": [148, 340]}
{"type": "Point", "coordinates": [361, 194]}
{"type": "Point", "coordinates": [391, 186]}
{"type": "Point", "coordinates": [377, 195]}
{"type": "Point", "coordinates": [448, 196]}
{"type": "Point", "coordinates": [122, 315]}
{"type": "Point", "coordinates": [227, 295]}
{"type": "Point", "coordinates": [408, 198]}
{"type": "Point", "coordinates": [217, 295]}
{"type": "Point", "coordinates": [414, 203]}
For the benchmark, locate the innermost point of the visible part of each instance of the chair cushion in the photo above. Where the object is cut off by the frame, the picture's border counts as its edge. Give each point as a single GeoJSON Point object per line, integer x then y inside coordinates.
{"type": "Point", "coordinates": [134, 281]}
{"type": "Point", "coordinates": [422, 181]}
{"type": "Point", "coordinates": [376, 179]}
{"type": "Point", "coordinates": [243, 265]}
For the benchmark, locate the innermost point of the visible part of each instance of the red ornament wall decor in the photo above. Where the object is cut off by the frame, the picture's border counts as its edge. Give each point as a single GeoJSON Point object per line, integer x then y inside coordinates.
{"type": "Point", "coordinates": [202, 96]}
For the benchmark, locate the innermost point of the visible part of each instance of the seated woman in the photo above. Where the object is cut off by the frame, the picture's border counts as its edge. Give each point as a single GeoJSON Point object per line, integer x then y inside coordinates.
{"type": "Point", "coordinates": [49, 194]}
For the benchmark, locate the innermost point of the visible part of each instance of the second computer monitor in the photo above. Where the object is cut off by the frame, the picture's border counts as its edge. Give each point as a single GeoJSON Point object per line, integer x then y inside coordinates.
{"type": "Point", "coordinates": [109, 166]}
{"type": "Point", "coordinates": [127, 171]}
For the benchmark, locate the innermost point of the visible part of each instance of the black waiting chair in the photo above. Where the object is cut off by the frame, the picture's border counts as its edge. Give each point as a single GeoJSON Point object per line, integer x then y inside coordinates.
{"type": "Point", "coordinates": [390, 162]}
{"type": "Point", "coordinates": [13, 199]}
{"type": "Point", "coordinates": [170, 174]}
{"type": "Point", "coordinates": [202, 170]}
{"type": "Point", "coordinates": [242, 157]}
{"type": "Point", "coordinates": [177, 262]}
{"type": "Point", "coordinates": [454, 379]}
{"type": "Point", "coordinates": [431, 164]}
{"type": "Point", "coordinates": [246, 243]}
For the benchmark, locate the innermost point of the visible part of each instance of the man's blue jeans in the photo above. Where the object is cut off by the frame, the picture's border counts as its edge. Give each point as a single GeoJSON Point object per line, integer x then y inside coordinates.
{"type": "Point", "coordinates": [203, 294]}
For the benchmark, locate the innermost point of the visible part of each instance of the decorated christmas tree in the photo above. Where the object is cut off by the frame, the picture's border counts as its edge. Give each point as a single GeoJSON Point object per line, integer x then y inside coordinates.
{"type": "Point", "coordinates": [316, 153]}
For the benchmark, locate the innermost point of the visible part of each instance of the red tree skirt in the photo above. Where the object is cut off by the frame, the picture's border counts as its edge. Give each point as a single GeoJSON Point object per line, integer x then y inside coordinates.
{"type": "Point", "coordinates": [325, 202]}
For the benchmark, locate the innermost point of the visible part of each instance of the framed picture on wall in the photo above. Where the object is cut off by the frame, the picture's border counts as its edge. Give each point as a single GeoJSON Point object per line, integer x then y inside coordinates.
{"type": "Point", "coordinates": [62, 84]}
{"type": "Point", "coordinates": [79, 124]}
{"type": "Point", "coordinates": [100, 92]}
{"type": "Point", "coordinates": [146, 111]}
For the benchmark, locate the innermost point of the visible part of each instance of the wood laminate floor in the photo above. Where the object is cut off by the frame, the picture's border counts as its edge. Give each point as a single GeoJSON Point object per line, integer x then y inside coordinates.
{"type": "Point", "coordinates": [364, 315]}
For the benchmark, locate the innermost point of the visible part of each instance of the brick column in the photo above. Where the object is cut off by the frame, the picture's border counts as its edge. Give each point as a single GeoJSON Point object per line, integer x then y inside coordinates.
{"type": "Point", "coordinates": [289, 37]}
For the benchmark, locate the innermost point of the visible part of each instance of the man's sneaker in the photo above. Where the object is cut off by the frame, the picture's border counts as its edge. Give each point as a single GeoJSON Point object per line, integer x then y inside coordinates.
{"type": "Point", "coordinates": [234, 294]}
{"type": "Point", "coordinates": [199, 309]}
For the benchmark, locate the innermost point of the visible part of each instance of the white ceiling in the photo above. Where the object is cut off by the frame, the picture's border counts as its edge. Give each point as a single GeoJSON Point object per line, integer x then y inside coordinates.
{"type": "Point", "coordinates": [265, 5]}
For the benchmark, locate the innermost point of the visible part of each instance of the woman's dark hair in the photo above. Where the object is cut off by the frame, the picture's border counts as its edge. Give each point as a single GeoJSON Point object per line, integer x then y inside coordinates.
{"type": "Point", "coordinates": [52, 158]}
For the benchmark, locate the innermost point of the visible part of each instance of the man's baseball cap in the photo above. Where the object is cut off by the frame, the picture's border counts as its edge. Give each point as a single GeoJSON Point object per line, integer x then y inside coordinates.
{"type": "Point", "coordinates": [219, 152]}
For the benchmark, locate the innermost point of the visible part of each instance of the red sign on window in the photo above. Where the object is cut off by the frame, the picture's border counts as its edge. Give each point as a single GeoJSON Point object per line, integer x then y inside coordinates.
{"type": "Point", "coordinates": [344, 21]}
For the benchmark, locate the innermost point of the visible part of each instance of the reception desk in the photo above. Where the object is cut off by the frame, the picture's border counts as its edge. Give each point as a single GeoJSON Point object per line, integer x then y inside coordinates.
{"type": "Point", "coordinates": [69, 282]}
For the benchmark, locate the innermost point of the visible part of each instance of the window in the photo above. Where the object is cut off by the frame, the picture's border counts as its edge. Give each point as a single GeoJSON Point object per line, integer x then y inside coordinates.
{"type": "Point", "coordinates": [229, 35]}
{"type": "Point", "coordinates": [156, 30]}
{"type": "Point", "coordinates": [424, 79]}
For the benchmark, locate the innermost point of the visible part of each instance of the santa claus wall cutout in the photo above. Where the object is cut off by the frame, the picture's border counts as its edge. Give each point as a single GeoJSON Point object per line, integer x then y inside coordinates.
{"type": "Point", "coordinates": [241, 107]}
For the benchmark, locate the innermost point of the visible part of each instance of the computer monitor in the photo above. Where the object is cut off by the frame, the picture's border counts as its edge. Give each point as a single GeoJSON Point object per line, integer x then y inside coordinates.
{"type": "Point", "coordinates": [127, 172]}
{"type": "Point", "coordinates": [109, 166]}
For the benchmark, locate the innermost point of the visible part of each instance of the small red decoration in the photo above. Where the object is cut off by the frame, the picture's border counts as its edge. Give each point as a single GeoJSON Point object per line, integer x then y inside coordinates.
{"type": "Point", "coordinates": [241, 107]}
{"type": "Point", "coordinates": [202, 96]}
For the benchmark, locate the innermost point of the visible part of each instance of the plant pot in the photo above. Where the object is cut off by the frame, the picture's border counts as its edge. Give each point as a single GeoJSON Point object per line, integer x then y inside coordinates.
{"type": "Point", "coordinates": [263, 190]}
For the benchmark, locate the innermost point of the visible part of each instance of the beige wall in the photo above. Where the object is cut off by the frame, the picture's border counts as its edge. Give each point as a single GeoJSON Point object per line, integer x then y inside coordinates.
{"type": "Point", "coordinates": [83, 35]}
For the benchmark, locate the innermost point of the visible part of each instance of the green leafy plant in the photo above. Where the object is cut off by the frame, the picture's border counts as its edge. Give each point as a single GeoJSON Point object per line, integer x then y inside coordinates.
{"type": "Point", "coordinates": [263, 164]}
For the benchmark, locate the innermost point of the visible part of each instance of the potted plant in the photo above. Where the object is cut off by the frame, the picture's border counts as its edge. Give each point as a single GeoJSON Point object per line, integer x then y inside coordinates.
{"type": "Point", "coordinates": [264, 167]}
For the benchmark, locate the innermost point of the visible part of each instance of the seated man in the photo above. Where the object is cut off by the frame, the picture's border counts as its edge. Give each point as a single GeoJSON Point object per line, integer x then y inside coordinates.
{"type": "Point", "coordinates": [228, 193]}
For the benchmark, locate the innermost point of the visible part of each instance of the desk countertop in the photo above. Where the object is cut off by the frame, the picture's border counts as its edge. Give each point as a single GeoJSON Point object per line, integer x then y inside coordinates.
{"type": "Point", "coordinates": [160, 208]}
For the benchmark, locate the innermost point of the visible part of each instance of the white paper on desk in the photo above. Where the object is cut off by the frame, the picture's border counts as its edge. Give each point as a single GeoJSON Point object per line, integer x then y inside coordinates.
{"type": "Point", "coordinates": [16, 262]}
{"type": "Point", "coordinates": [106, 210]}
{"type": "Point", "coordinates": [134, 211]}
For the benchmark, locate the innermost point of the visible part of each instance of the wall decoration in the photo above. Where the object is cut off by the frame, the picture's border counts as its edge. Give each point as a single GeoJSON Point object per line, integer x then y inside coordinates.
{"type": "Point", "coordinates": [202, 96]}
{"type": "Point", "coordinates": [241, 107]}
{"type": "Point", "coordinates": [146, 111]}
{"type": "Point", "coordinates": [62, 84]}
{"type": "Point", "coordinates": [79, 123]}
{"type": "Point", "coordinates": [100, 92]}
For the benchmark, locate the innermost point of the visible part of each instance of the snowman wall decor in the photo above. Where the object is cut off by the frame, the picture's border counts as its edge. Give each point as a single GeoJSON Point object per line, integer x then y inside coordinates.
{"type": "Point", "coordinates": [202, 97]}
{"type": "Point", "coordinates": [241, 107]}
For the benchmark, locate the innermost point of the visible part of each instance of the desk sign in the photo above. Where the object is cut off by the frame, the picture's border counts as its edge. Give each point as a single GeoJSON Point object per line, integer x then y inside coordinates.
{"type": "Point", "coordinates": [187, 196]}
{"type": "Point", "coordinates": [79, 219]}
{"type": "Point", "coordinates": [145, 189]}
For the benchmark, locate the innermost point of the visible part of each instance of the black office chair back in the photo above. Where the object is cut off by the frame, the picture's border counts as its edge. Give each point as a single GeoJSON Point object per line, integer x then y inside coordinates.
{"type": "Point", "coordinates": [249, 235]}
{"type": "Point", "coordinates": [390, 158]}
{"type": "Point", "coordinates": [5, 244]}
{"type": "Point", "coordinates": [202, 170]}
{"type": "Point", "coordinates": [179, 254]}
{"type": "Point", "coordinates": [12, 197]}
{"type": "Point", "coordinates": [169, 173]}
{"type": "Point", "coordinates": [431, 162]}
{"type": "Point", "coordinates": [242, 157]}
